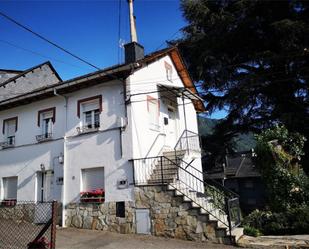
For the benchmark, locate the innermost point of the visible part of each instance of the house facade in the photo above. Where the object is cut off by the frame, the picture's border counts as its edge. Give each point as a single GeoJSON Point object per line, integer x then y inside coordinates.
{"type": "Point", "coordinates": [119, 148]}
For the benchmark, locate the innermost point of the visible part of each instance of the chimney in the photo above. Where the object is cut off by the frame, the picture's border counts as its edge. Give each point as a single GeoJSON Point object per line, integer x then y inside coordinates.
{"type": "Point", "coordinates": [133, 50]}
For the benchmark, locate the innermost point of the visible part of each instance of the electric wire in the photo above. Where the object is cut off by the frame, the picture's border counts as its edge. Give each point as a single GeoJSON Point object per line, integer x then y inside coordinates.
{"type": "Point", "coordinates": [47, 40]}
{"type": "Point", "coordinates": [39, 54]}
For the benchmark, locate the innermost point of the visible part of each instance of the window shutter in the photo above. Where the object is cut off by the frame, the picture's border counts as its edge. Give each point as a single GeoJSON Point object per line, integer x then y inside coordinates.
{"type": "Point", "coordinates": [93, 178]}
{"type": "Point", "coordinates": [47, 115]}
{"type": "Point", "coordinates": [90, 106]}
{"type": "Point", "coordinates": [10, 187]}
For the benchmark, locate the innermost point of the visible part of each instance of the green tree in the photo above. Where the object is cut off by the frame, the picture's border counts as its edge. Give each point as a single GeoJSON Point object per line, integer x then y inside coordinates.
{"type": "Point", "coordinates": [278, 159]}
{"type": "Point", "coordinates": [252, 59]}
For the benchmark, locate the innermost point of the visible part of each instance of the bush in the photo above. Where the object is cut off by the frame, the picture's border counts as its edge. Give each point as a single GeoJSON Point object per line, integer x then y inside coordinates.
{"type": "Point", "coordinates": [251, 231]}
{"type": "Point", "coordinates": [292, 221]}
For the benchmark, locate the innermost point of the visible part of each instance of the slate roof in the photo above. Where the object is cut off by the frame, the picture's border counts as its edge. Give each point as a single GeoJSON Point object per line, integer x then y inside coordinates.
{"type": "Point", "coordinates": [239, 165]}
{"type": "Point", "coordinates": [120, 71]}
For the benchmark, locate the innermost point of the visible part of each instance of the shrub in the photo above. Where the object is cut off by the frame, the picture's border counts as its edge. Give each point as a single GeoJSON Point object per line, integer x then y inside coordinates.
{"type": "Point", "coordinates": [251, 231]}
{"type": "Point", "coordinates": [292, 221]}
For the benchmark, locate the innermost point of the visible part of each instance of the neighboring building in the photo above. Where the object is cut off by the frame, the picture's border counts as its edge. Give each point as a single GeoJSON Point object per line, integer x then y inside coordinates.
{"type": "Point", "coordinates": [119, 148]}
{"type": "Point", "coordinates": [241, 176]}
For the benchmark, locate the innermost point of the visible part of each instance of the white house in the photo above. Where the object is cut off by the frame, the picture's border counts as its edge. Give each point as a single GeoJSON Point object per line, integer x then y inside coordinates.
{"type": "Point", "coordinates": [130, 130]}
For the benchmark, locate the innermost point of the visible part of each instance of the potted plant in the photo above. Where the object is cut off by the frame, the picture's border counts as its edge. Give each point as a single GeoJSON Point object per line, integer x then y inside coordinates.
{"type": "Point", "coordinates": [96, 195]}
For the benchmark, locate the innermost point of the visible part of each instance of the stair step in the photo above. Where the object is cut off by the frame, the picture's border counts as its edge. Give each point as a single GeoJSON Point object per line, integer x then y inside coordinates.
{"type": "Point", "coordinates": [159, 181]}
{"type": "Point", "coordinates": [173, 153]}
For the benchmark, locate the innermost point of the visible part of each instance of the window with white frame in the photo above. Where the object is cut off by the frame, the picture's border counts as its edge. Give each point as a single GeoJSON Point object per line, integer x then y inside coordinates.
{"type": "Point", "coordinates": [169, 71]}
{"type": "Point", "coordinates": [46, 119]}
{"type": "Point", "coordinates": [92, 189]}
{"type": "Point", "coordinates": [10, 188]}
{"type": "Point", "coordinates": [89, 111]}
{"type": "Point", "coordinates": [9, 130]}
{"type": "Point", "coordinates": [153, 111]}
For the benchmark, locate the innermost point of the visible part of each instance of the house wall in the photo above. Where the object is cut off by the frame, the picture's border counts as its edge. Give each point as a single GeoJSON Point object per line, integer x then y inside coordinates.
{"type": "Point", "coordinates": [106, 148]}
{"type": "Point", "coordinates": [25, 158]}
{"type": "Point", "coordinates": [146, 80]}
{"type": "Point", "coordinates": [150, 141]}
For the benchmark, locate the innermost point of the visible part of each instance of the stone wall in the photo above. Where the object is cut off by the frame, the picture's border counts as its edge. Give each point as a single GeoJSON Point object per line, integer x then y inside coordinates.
{"type": "Point", "coordinates": [100, 217]}
{"type": "Point", "coordinates": [172, 217]}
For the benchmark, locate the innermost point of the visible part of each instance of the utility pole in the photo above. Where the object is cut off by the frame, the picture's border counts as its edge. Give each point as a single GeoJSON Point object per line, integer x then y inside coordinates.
{"type": "Point", "coordinates": [132, 22]}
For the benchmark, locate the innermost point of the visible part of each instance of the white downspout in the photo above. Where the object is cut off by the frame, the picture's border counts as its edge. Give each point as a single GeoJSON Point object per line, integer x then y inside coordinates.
{"type": "Point", "coordinates": [64, 154]}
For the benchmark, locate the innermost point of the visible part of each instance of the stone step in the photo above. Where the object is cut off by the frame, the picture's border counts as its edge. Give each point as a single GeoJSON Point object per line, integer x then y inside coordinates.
{"type": "Point", "coordinates": [237, 232]}
{"type": "Point", "coordinates": [159, 181]}
{"type": "Point", "coordinates": [165, 171]}
{"type": "Point", "coordinates": [179, 153]}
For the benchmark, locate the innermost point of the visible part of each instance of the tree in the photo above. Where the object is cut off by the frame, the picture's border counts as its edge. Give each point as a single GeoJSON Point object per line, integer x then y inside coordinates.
{"type": "Point", "coordinates": [278, 154]}
{"type": "Point", "coordinates": [252, 59]}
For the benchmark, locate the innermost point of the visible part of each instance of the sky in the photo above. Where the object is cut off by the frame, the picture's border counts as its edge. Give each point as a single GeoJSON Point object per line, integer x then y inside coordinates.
{"type": "Point", "coordinates": [89, 29]}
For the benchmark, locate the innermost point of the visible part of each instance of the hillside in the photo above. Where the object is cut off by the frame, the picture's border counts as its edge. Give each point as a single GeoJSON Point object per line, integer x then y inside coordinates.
{"type": "Point", "coordinates": [243, 142]}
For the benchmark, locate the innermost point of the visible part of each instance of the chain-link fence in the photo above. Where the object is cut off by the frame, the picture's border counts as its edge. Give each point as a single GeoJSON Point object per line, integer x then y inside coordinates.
{"type": "Point", "coordinates": [27, 225]}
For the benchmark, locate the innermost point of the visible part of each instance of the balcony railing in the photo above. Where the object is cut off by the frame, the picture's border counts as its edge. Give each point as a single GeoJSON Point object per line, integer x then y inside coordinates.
{"type": "Point", "coordinates": [44, 137]}
{"type": "Point", "coordinates": [88, 128]}
{"type": "Point", "coordinates": [10, 142]}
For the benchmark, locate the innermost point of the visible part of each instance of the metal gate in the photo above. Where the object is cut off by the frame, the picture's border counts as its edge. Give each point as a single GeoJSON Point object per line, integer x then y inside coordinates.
{"type": "Point", "coordinates": [28, 225]}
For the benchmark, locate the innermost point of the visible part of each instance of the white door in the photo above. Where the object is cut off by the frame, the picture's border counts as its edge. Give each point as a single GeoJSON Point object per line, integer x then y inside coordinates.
{"type": "Point", "coordinates": [142, 221]}
{"type": "Point", "coordinates": [171, 128]}
{"type": "Point", "coordinates": [44, 186]}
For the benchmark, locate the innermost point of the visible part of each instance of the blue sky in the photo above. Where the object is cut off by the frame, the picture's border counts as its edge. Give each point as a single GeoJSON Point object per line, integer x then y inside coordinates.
{"type": "Point", "coordinates": [89, 29]}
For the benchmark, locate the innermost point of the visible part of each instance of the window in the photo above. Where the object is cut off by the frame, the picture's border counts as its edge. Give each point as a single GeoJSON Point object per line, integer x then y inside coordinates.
{"type": "Point", "coordinates": [89, 111]}
{"type": "Point", "coordinates": [120, 209]}
{"type": "Point", "coordinates": [153, 107]}
{"type": "Point", "coordinates": [46, 118]}
{"type": "Point", "coordinates": [10, 188]}
{"type": "Point", "coordinates": [9, 130]}
{"type": "Point", "coordinates": [93, 185]}
{"type": "Point", "coordinates": [169, 71]}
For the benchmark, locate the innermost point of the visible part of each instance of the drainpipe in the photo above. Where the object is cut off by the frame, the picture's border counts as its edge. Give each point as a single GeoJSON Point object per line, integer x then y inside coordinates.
{"type": "Point", "coordinates": [185, 117]}
{"type": "Point", "coordinates": [64, 154]}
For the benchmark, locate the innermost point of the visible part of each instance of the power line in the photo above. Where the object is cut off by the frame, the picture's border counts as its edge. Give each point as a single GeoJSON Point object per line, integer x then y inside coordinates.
{"type": "Point", "coordinates": [47, 40]}
{"type": "Point", "coordinates": [37, 53]}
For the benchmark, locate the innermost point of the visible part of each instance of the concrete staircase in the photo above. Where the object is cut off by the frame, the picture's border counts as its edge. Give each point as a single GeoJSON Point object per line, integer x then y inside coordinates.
{"type": "Point", "coordinates": [166, 171]}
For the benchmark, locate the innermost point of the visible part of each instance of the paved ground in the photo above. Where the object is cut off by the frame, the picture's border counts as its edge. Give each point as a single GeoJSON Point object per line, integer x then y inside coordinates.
{"type": "Point", "coordinates": [276, 242]}
{"type": "Point", "coordinates": [70, 238]}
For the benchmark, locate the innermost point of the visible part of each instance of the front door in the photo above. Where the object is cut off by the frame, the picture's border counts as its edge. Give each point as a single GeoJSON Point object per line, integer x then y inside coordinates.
{"type": "Point", "coordinates": [44, 186]}
{"type": "Point", "coordinates": [171, 128]}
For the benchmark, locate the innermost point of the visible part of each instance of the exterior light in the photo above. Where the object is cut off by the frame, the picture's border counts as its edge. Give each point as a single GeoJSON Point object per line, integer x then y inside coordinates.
{"type": "Point", "coordinates": [60, 158]}
{"type": "Point", "coordinates": [42, 166]}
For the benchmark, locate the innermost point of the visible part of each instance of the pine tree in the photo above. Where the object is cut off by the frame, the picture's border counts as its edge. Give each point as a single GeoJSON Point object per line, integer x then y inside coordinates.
{"type": "Point", "coordinates": [252, 58]}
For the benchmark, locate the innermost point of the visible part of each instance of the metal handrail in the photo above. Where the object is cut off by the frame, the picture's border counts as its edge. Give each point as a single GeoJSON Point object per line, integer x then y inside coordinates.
{"type": "Point", "coordinates": [181, 136]}
{"type": "Point", "coordinates": [222, 198]}
{"type": "Point", "coordinates": [153, 143]}
{"type": "Point", "coordinates": [210, 181]}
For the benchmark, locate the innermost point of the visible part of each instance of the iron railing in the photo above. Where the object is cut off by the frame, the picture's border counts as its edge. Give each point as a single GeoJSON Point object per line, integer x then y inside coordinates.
{"type": "Point", "coordinates": [88, 128]}
{"type": "Point", "coordinates": [222, 197]}
{"type": "Point", "coordinates": [44, 137]}
{"type": "Point", "coordinates": [28, 225]}
{"type": "Point", "coordinates": [153, 171]}
{"type": "Point", "coordinates": [10, 142]}
{"type": "Point", "coordinates": [221, 203]}
{"type": "Point", "coordinates": [188, 141]}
